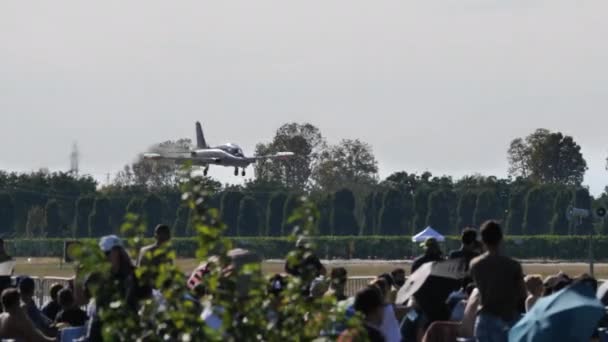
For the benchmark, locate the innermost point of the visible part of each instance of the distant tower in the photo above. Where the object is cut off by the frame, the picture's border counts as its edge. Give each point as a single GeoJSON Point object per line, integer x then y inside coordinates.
{"type": "Point", "coordinates": [74, 156]}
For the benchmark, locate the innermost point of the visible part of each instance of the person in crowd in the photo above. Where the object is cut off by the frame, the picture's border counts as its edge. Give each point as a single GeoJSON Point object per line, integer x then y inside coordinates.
{"type": "Point", "coordinates": [534, 286]}
{"type": "Point", "coordinates": [5, 278]}
{"type": "Point", "coordinates": [370, 304]}
{"type": "Point", "coordinates": [27, 287]}
{"type": "Point", "coordinates": [500, 281]}
{"type": "Point", "coordinates": [162, 236]}
{"type": "Point", "coordinates": [310, 266]}
{"type": "Point", "coordinates": [70, 314]}
{"type": "Point", "coordinates": [51, 308]}
{"type": "Point", "coordinates": [432, 252]}
{"type": "Point", "coordinates": [15, 323]}
{"type": "Point", "coordinates": [234, 279]}
{"type": "Point", "coordinates": [337, 285]}
{"type": "Point", "coordinates": [467, 250]}
{"type": "Point", "coordinates": [93, 324]}
{"type": "Point", "coordinates": [121, 268]}
{"type": "Point", "coordinates": [389, 326]}
{"type": "Point", "coordinates": [556, 282]}
{"type": "Point", "coordinates": [308, 269]}
{"type": "Point", "coordinates": [3, 254]}
{"type": "Point", "coordinates": [398, 275]}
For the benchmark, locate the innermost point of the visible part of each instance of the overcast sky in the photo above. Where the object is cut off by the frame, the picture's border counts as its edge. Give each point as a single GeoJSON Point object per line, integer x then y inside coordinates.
{"type": "Point", "coordinates": [438, 85]}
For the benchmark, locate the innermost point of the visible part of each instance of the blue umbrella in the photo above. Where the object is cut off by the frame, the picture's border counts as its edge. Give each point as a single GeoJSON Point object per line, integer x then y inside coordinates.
{"type": "Point", "coordinates": [571, 314]}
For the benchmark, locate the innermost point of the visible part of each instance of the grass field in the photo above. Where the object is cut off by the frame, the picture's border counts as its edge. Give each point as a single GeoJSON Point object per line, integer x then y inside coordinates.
{"type": "Point", "coordinates": [51, 267]}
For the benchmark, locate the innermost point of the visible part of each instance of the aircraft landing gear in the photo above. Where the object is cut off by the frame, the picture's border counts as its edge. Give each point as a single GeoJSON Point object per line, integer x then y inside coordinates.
{"type": "Point", "coordinates": [243, 173]}
{"type": "Point", "coordinates": [236, 171]}
{"type": "Point", "coordinates": [205, 170]}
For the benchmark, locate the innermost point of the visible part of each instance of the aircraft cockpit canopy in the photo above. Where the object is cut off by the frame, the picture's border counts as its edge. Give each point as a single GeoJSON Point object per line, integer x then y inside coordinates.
{"type": "Point", "coordinates": [233, 149]}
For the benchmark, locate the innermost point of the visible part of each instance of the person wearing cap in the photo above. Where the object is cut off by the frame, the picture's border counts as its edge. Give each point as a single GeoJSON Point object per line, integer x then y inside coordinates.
{"type": "Point", "coordinates": [162, 236]}
{"type": "Point", "coordinates": [122, 269]}
{"type": "Point", "coordinates": [432, 252]}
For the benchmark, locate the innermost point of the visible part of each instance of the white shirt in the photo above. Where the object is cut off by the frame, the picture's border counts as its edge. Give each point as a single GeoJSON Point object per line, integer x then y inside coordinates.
{"type": "Point", "coordinates": [390, 325]}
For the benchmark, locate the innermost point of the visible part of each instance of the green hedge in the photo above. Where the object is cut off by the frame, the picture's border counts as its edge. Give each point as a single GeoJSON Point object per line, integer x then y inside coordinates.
{"type": "Point", "coordinates": [368, 247]}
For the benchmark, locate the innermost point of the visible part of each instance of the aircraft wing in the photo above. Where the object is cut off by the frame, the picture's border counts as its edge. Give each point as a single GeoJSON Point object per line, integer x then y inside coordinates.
{"type": "Point", "coordinates": [179, 157]}
{"type": "Point", "coordinates": [278, 155]}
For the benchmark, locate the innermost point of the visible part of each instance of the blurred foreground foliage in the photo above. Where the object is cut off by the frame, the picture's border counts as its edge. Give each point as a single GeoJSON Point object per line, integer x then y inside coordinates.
{"type": "Point", "coordinates": [239, 295]}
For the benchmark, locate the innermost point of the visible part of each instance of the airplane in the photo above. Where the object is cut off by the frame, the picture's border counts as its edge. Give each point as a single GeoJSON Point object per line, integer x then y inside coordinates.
{"type": "Point", "coordinates": [228, 155]}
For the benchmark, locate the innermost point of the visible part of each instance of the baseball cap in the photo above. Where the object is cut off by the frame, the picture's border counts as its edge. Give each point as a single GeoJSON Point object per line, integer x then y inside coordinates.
{"type": "Point", "coordinates": [106, 243]}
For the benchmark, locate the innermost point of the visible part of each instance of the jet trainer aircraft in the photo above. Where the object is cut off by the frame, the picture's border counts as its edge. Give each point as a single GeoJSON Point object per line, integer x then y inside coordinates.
{"type": "Point", "coordinates": [229, 155]}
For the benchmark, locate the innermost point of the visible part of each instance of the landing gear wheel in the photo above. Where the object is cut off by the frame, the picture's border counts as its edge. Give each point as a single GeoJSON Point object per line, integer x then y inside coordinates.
{"type": "Point", "coordinates": [205, 171]}
{"type": "Point", "coordinates": [243, 173]}
{"type": "Point", "coordinates": [236, 171]}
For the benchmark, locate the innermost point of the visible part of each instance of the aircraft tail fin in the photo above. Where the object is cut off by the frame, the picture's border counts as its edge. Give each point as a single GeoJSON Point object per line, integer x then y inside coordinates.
{"type": "Point", "coordinates": [200, 138]}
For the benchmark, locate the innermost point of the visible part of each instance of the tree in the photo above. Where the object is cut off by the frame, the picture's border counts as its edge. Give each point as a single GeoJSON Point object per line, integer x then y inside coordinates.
{"type": "Point", "coordinates": [7, 213]}
{"type": "Point", "coordinates": [276, 205]}
{"type": "Point", "coordinates": [84, 207]}
{"type": "Point", "coordinates": [583, 200]}
{"type": "Point", "coordinates": [180, 226]}
{"type": "Point", "coordinates": [538, 211]}
{"type": "Point", "coordinates": [153, 174]}
{"type": "Point", "coordinates": [305, 141]}
{"type": "Point", "coordinates": [547, 157]}
{"type": "Point", "coordinates": [559, 222]}
{"type": "Point", "coordinates": [231, 201]}
{"type": "Point", "coordinates": [99, 224]}
{"type": "Point", "coordinates": [325, 205]}
{"type": "Point", "coordinates": [486, 207]}
{"type": "Point", "coordinates": [372, 209]}
{"type": "Point", "coordinates": [248, 221]}
{"type": "Point", "coordinates": [466, 209]}
{"type": "Point", "coordinates": [517, 210]}
{"type": "Point", "coordinates": [343, 218]}
{"type": "Point", "coordinates": [291, 203]}
{"type": "Point", "coordinates": [395, 214]}
{"type": "Point", "coordinates": [35, 222]}
{"type": "Point", "coordinates": [135, 206]}
{"type": "Point", "coordinates": [351, 163]}
{"type": "Point", "coordinates": [153, 212]}
{"type": "Point", "coordinates": [54, 225]}
{"type": "Point", "coordinates": [421, 203]}
{"type": "Point", "coordinates": [438, 215]}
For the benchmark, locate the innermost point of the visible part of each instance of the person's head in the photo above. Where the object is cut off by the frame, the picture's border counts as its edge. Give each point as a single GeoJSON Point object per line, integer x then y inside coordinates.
{"type": "Point", "coordinates": [55, 288]}
{"type": "Point", "coordinates": [431, 246]}
{"type": "Point", "coordinates": [10, 299]}
{"type": "Point", "coordinates": [554, 283]}
{"type": "Point", "coordinates": [233, 273]}
{"type": "Point", "coordinates": [468, 238]}
{"type": "Point", "coordinates": [587, 280]}
{"type": "Point", "coordinates": [338, 279]}
{"type": "Point", "coordinates": [66, 298]}
{"type": "Point", "coordinates": [370, 303]}
{"type": "Point", "coordinates": [384, 286]}
{"type": "Point", "coordinates": [27, 286]}
{"type": "Point", "coordinates": [491, 235]}
{"type": "Point", "coordinates": [91, 284]}
{"type": "Point", "coordinates": [276, 284]}
{"type": "Point", "coordinates": [534, 284]}
{"type": "Point", "coordinates": [398, 275]}
{"type": "Point", "coordinates": [162, 233]}
{"type": "Point", "coordinates": [112, 246]}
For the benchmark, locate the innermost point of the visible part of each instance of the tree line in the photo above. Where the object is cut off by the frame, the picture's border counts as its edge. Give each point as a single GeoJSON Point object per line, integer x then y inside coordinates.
{"type": "Point", "coordinates": [545, 176]}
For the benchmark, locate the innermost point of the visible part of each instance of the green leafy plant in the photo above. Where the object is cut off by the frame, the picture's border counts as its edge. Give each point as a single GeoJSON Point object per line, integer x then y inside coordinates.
{"type": "Point", "coordinates": [238, 294]}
